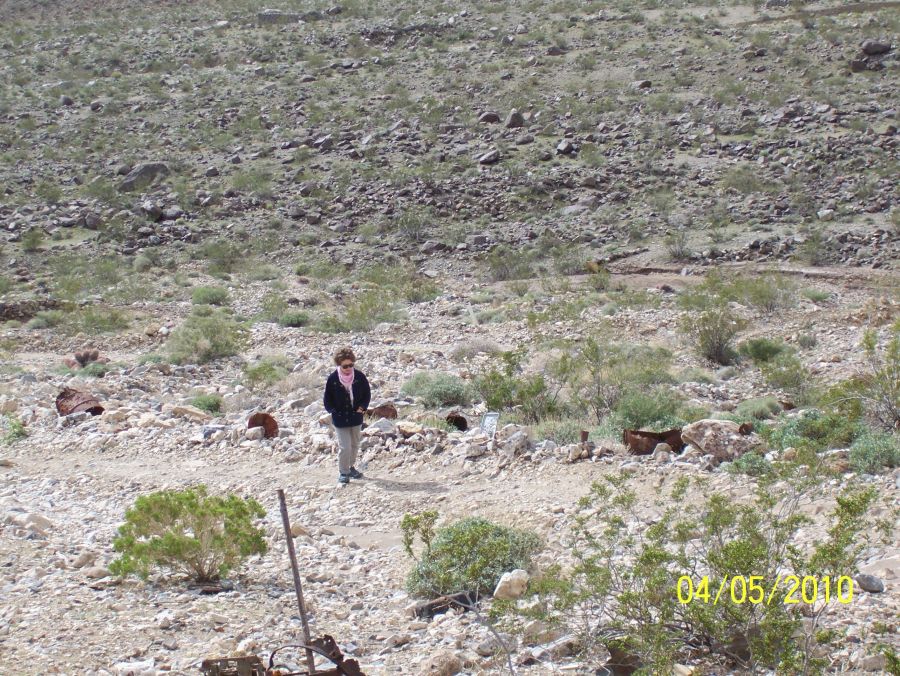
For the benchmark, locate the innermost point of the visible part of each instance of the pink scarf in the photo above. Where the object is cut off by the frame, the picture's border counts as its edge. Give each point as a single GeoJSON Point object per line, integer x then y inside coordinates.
{"type": "Point", "coordinates": [347, 381]}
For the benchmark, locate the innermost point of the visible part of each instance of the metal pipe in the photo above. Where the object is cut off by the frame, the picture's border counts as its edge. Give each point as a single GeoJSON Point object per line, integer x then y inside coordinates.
{"type": "Point", "coordinates": [310, 659]}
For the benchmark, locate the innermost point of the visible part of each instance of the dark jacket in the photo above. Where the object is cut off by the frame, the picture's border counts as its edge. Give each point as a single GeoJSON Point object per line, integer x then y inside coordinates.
{"type": "Point", "coordinates": [337, 400]}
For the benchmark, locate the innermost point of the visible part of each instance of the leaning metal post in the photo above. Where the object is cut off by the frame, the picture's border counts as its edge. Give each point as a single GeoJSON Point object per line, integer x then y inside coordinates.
{"type": "Point", "coordinates": [310, 659]}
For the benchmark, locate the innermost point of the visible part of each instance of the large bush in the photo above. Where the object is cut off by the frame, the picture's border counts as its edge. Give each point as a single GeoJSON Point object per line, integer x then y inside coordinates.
{"type": "Point", "coordinates": [621, 594]}
{"type": "Point", "coordinates": [438, 389]}
{"type": "Point", "coordinates": [712, 332]}
{"type": "Point", "coordinates": [468, 555]}
{"type": "Point", "coordinates": [534, 395]}
{"type": "Point", "coordinates": [201, 339]}
{"type": "Point", "coordinates": [188, 532]}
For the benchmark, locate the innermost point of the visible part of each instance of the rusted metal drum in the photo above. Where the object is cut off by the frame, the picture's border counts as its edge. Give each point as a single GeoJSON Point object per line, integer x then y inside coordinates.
{"type": "Point", "coordinates": [265, 421]}
{"type": "Point", "coordinates": [71, 401]}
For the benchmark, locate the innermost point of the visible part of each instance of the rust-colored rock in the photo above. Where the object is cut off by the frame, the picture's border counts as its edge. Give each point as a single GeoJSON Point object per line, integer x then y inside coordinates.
{"type": "Point", "coordinates": [641, 442]}
{"type": "Point", "coordinates": [71, 401]}
{"type": "Point", "coordinates": [458, 420]}
{"type": "Point", "coordinates": [388, 411]}
{"type": "Point", "coordinates": [265, 421]}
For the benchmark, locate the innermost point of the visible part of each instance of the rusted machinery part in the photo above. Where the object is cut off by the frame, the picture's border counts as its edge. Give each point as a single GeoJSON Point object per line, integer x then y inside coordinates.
{"type": "Point", "coordinates": [265, 421]}
{"type": "Point", "coordinates": [642, 442]}
{"type": "Point", "coordinates": [71, 401]}
{"type": "Point", "coordinates": [327, 647]}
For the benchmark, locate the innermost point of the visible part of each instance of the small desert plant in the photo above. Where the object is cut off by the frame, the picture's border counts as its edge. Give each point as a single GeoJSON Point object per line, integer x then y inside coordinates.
{"type": "Point", "coordinates": [211, 403]}
{"type": "Point", "coordinates": [468, 555]}
{"type": "Point", "coordinates": [677, 246]}
{"type": "Point", "coordinates": [202, 339]}
{"type": "Point", "coordinates": [46, 319]}
{"type": "Point", "coordinates": [294, 319]}
{"type": "Point", "coordinates": [560, 430]}
{"type": "Point", "coordinates": [32, 239]}
{"type": "Point", "coordinates": [874, 452]}
{"type": "Point", "coordinates": [438, 389]}
{"type": "Point", "coordinates": [713, 332]}
{"type": "Point", "coordinates": [362, 313]}
{"type": "Point", "coordinates": [752, 464]}
{"type": "Point", "coordinates": [189, 532]}
{"type": "Point", "coordinates": [209, 295]}
{"type": "Point", "coordinates": [14, 430]}
{"type": "Point", "coordinates": [762, 350]}
{"type": "Point", "coordinates": [788, 373]}
{"type": "Point", "coordinates": [813, 429]}
{"type": "Point", "coordinates": [266, 372]}
{"type": "Point", "coordinates": [94, 319]}
{"type": "Point", "coordinates": [758, 409]}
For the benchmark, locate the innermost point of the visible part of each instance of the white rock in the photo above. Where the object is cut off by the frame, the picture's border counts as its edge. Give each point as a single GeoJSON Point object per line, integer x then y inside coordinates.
{"type": "Point", "coordinates": [512, 585]}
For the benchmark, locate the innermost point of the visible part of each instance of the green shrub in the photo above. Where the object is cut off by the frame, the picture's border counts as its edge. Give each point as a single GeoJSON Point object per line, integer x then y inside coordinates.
{"type": "Point", "coordinates": [266, 372]}
{"type": "Point", "coordinates": [712, 332]}
{"type": "Point", "coordinates": [762, 408]}
{"type": "Point", "coordinates": [599, 373]}
{"type": "Point", "coordinates": [211, 403]}
{"type": "Point", "coordinates": [534, 395]}
{"type": "Point", "coordinates": [46, 319]}
{"type": "Point", "coordinates": [880, 389]}
{"type": "Point", "coordinates": [189, 532]}
{"type": "Point", "coordinates": [752, 464]}
{"type": "Point", "coordinates": [788, 373]}
{"type": "Point", "coordinates": [263, 273]}
{"type": "Point", "coordinates": [812, 428]}
{"type": "Point", "coordinates": [816, 296]}
{"type": "Point", "coordinates": [92, 320]}
{"type": "Point", "coordinates": [294, 319]}
{"type": "Point", "coordinates": [362, 313]}
{"type": "Point", "coordinates": [560, 430]}
{"type": "Point", "coordinates": [873, 452]}
{"type": "Point", "coordinates": [438, 389]}
{"type": "Point", "coordinates": [202, 339]}
{"type": "Point", "coordinates": [762, 350]}
{"type": "Point", "coordinates": [658, 408]}
{"type": "Point", "coordinates": [223, 256]}
{"type": "Point", "coordinates": [768, 292]}
{"type": "Point", "coordinates": [503, 263]}
{"type": "Point", "coordinates": [32, 239]}
{"type": "Point", "coordinates": [94, 370]}
{"type": "Point", "coordinates": [468, 555]}
{"type": "Point", "coordinates": [14, 429]}
{"type": "Point", "coordinates": [209, 295]}
{"type": "Point", "coordinates": [621, 591]}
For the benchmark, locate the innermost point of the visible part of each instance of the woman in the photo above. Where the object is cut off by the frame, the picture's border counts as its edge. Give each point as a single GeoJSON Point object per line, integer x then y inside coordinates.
{"type": "Point", "coordinates": [347, 397]}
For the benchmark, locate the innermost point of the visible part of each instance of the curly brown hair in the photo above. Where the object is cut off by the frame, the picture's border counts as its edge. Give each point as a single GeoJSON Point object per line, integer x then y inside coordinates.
{"type": "Point", "coordinates": [343, 354]}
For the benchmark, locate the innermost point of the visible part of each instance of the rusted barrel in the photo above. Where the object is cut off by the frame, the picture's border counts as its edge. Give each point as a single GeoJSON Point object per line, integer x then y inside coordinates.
{"type": "Point", "coordinates": [71, 401]}
{"type": "Point", "coordinates": [265, 421]}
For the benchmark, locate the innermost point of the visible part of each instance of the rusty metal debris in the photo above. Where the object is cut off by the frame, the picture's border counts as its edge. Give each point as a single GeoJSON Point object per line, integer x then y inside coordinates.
{"type": "Point", "coordinates": [642, 442]}
{"type": "Point", "coordinates": [71, 401]}
{"type": "Point", "coordinates": [458, 420]}
{"type": "Point", "coordinates": [428, 609]}
{"type": "Point", "coordinates": [233, 666]}
{"type": "Point", "coordinates": [267, 422]}
{"type": "Point", "coordinates": [388, 411]}
{"type": "Point", "coordinates": [325, 645]}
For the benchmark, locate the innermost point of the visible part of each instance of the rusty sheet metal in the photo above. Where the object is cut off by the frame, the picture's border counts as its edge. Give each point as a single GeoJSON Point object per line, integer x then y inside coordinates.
{"type": "Point", "coordinates": [325, 646]}
{"type": "Point", "coordinates": [458, 420]}
{"type": "Point", "coordinates": [641, 442]}
{"type": "Point", "coordinates": [388, 411]}
{"type": "Point", "coordinates": [71, 401]}
{"type": "Point", "coordinates": [265, 421]}
{"type": "Point", "coordinates": [233, 666]}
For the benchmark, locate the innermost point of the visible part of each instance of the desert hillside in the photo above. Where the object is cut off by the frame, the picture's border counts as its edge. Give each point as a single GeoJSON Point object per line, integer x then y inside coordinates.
{"type": "Point", "coordinates": [595, 219]}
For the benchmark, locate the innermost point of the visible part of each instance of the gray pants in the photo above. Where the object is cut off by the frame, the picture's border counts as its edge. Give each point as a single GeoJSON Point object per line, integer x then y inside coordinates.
{"type": "Point", "coordinates": [348, 440]}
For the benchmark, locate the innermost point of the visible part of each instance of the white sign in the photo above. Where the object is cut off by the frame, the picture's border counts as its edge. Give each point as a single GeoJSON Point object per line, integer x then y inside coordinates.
{"type": "Point", "coordinates": [489, 423]}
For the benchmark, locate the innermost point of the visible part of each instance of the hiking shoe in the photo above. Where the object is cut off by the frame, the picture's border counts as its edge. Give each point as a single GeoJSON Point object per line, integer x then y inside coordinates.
{"type": "Point", "coordinates": [344, 479]}
{"type": "Point", "coordinates": [355, 473]}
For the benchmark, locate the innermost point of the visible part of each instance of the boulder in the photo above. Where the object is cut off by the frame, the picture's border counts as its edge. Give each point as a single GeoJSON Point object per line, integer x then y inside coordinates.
{"type": "Point", "coordinates": [870, 583]}
{"type": "Point", "coordinates": [143, 175]}
{"type": "Point", "coordinates": [875, 47]}
{"type": "Point", "coordinates": [512, 585]}
{"type": "Point", "coordinates": [721, 439]}
{"type": "Point", "coordinates": [442, 664]}
{"type": "Point", "coordinates": [514, 120]}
